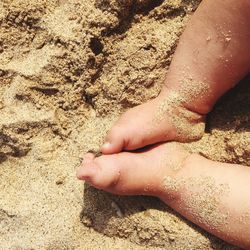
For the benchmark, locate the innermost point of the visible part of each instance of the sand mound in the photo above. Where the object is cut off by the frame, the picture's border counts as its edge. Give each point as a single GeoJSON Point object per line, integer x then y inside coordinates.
{"type": "Point", "coordinates": [67, 70]}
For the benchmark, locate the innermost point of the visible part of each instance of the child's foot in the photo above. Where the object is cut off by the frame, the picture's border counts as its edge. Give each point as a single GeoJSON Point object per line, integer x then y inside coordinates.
{"type": "Point", "coordinates": [137, 173]}
{"type": "Point", "coordinates": [209, 60]}
{"type": "Point", "coordinates": [192, 185]}
{"type": "Point", "coordinates": [161, 119]}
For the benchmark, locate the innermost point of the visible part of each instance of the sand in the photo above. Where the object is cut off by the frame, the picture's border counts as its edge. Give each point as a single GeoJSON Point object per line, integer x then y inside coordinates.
{"type": "Point", "coordinates": [67, 70]}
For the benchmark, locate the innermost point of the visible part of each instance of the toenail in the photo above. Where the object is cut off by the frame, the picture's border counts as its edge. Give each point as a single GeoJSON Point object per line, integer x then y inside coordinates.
{"type": "Point", "coordinates": [106, 145]}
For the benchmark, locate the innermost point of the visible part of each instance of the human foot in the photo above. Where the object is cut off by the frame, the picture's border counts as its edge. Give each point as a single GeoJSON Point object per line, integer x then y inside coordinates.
{"type": "Point", "coordinates": [192, 185]}
{"type": "Point", "coordinates": [204, 67]}
{"type": "Point", "coordinates": [137, 173]}
{"type": "Point", "coordinates": [164, 118]}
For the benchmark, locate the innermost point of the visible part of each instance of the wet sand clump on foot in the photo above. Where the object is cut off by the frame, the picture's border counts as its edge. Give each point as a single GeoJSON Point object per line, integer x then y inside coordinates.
{"type": "Point", "coordinates": [172, 107]}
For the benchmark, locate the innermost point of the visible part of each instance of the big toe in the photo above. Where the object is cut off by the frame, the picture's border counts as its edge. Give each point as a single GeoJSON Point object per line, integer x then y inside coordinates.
{"type": "Point", "coordinates": [97, 174]}
{"type": "Point", "coordinates": [115, 140]}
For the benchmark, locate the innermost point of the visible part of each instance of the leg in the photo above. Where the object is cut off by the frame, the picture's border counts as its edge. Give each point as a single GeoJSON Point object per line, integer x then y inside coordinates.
{"type": "Point", "coordinates": [213, 195]}
{"type": "Point", "coordinates": [212, 56]}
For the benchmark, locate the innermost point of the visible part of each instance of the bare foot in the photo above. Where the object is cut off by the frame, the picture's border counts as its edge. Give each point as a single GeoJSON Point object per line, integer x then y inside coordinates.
{"type": "Point", "coordinates": [162, 119]}
{"type": "Point", "coordinates": [204, 67]}
{"type": "Point", "coordinates": [205, 192]}
{"type": "Point", "coordinates": [137, 173]}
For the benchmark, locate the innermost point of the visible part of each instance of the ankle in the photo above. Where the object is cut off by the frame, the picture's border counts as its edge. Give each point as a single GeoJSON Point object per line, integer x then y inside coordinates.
{"type": "Point", "coordinates": [174, 183]}
{"type": "Point", "coordinates": [193, 94]}
{"type": "Point", "coordinates": [189, 125]}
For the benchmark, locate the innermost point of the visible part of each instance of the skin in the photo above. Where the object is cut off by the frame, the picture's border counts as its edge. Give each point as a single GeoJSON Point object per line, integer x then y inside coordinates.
{"type": "Point", "coordinates": [223, 29]}
{"type": "Point", "coordinates": [145, 173]}
{"type": "Point", "coordinates": [215, 59]}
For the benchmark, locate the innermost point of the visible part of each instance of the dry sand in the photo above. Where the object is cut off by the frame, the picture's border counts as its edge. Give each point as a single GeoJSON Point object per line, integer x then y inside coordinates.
{"type": "Point", "coordinates": [67, 69]}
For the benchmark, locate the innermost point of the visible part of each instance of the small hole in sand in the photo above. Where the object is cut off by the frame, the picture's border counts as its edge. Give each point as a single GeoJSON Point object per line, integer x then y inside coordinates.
{"type": "Point", "coordinates": [96, 46]}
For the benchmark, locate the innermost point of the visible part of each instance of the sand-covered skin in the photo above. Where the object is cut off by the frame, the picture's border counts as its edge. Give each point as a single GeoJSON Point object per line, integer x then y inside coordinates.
{"type": "Point", "coordinates": [67, 69]}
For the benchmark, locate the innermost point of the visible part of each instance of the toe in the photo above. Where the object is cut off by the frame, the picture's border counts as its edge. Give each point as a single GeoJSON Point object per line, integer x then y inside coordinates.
{"type": "Point", "coordinates": [87, 158]}
{"type": "Point", "coordinates": [99, 174]}
{"type": "Point", "coordinates": [114, 141]}
{"type": "Point", "coordinates": [87, 171]}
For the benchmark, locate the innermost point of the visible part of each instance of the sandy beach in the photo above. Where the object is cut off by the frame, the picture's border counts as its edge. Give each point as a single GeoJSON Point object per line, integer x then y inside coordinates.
{"type": "Point", "coordinates": [68, 69]}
